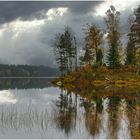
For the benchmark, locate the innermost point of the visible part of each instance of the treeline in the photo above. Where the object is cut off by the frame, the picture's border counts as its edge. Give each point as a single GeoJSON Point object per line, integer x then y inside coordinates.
{"type": "Point", "coordinates": [27, 71]}
{"type": "Point", "coordinates": [65, 46]}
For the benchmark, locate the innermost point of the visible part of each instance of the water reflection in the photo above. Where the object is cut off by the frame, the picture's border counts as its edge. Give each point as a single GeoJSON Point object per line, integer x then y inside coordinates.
{"type": "Point", "coordinates": [92, 116]}
{"type": "Point", "coordinates": [133, 113]}
{"type": "Point", "coordinates": [18, 118]}
{"type": "Point", "coordinates": [25, 83]}
{"type": "Point", "coordinates": [104, 131]}
{"type": "Point", "coordinates": [67, 112]}
{"type": "Point", "coordinates": [56, 113]}
{"type": "Point", "coordinates": [106, 117]}
{"type": "Point", "coordinates": [113, 110]}
{"type": "Point", "coordinates": [124, 130]}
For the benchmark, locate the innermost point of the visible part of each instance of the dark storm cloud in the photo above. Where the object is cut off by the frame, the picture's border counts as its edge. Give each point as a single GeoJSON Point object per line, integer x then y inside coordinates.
{"type": "Point", "coordinates": [10, 10]}
{"type": "Point", "coordinates": [82, 6]}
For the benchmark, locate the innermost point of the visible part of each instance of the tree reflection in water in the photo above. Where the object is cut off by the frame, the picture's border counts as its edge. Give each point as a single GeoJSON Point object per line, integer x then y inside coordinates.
{"type": "Point", "coordinates": [93, 115]}
{"type": "Point", "coordinates": [67, 111]}
{"type": "Point", "coordinates": [133, 113]}
{"type": "Point", "coordinates": [124, 125]}
{"type": "Point", "coordinates": [113, 110]}
{"type": "Point", "coordinates": [114, 116]}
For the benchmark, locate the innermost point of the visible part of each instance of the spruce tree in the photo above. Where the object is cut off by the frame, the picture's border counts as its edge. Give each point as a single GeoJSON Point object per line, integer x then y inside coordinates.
{"type": "Point", "coordinates": [70, 47]}
{"type": "Point", "coordinates": [99, 57]}
{"type": "Point", "coordinates": [130, 52]}
{"type": "Point", "coordinates": [112, 22]}
{"type": "Point", "coordinates": [65, 51]}
{"type": "Point", "coordinates": [61, 54]}
{"type": "Point", "coordinates": [135, 35]}
{"type": "Point", "coordinates": [113, 57]}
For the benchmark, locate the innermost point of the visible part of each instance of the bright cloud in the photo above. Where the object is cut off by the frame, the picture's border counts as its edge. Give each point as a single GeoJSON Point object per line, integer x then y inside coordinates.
{"type": "Point", "coordinates": [52, 13]}
{"type": "Point", "coordinates": [18, 26]}
{"type": "Point", "coordinates": [20, 41]}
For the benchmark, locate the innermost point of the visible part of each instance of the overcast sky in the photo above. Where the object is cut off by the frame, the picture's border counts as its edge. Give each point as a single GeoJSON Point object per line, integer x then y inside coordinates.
{"type": "Point", "coordinates": [27, 29]}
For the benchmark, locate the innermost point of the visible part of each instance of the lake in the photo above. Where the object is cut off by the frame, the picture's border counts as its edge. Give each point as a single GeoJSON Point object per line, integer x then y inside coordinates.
{"type": "Point", "coordinates": [33, 108]}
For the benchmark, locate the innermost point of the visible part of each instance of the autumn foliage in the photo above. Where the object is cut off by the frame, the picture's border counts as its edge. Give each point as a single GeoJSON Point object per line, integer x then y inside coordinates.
{"type": "Point", "coordinates": [88, 76]}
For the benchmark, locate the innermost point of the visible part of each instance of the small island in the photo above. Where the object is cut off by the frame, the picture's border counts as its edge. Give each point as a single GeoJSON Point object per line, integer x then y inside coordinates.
{"type": "Point", "coordinates": [116, 66]}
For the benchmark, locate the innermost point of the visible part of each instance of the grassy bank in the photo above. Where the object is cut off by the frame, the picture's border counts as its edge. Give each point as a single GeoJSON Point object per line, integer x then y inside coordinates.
{"type": "Point", "coordinates": [88, 76]}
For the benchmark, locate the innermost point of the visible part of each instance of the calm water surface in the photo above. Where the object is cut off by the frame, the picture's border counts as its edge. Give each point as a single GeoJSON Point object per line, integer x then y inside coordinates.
{"type": "Point", "coordinates": [35, 109]}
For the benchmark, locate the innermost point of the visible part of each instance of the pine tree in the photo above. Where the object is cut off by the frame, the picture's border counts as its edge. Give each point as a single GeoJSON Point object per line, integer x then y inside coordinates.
{"type": "Point", "coordinates": [61, 54]}
{"type": "Point", "coordinates": [135, 35]}
{"type": "Point", "coordinates": [65, 51]}
{"type": "Point", "coordinates": [113, 56]}
{"type": "Point", "coordinates": [130, 52]}
{"type": "Point", "coordinates": [112, 22]}
{"type": "Point", "coordinates": [99, 60]}
{"type": "Point", "coordinates": [70, 47]}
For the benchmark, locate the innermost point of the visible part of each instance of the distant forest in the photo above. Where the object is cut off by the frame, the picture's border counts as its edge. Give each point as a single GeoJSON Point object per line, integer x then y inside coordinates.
{"type": "Point", "coordinates": [27, 71]}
